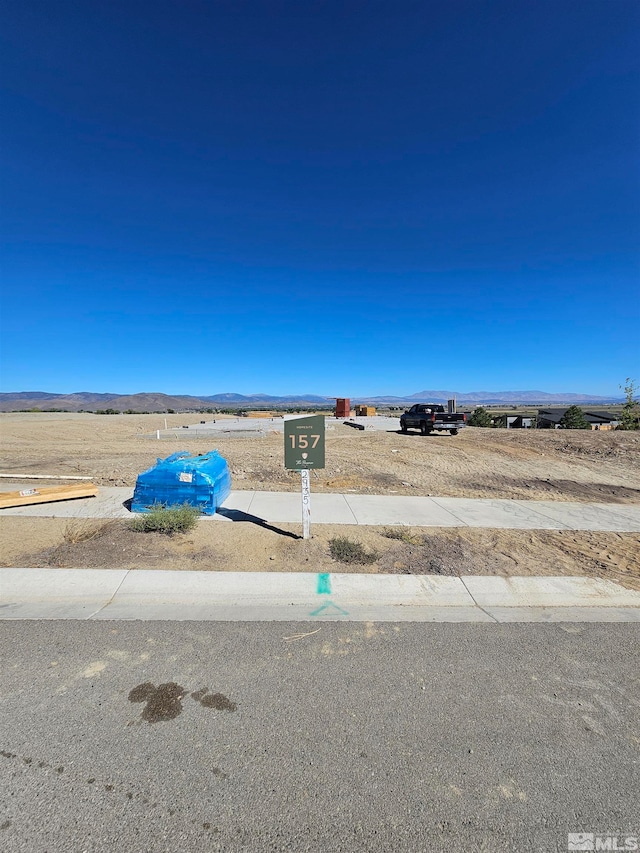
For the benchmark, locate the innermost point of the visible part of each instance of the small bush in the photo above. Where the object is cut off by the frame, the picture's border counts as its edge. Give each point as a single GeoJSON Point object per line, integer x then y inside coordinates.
{"type": "Point", "coordinates": [166, 519]}
{"type": "Point", "coordinates": [83, 529]}
{"type": "Point", "coordinates": [346, 551]}
{"type": "Point", "coordinates": [402, 534]}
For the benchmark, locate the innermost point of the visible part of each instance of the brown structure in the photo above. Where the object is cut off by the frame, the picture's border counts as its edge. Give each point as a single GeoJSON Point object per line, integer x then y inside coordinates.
{"type": "Point", "coordinates": [343, 407]}
{"type": "Point", "coordinates": [365, 411]}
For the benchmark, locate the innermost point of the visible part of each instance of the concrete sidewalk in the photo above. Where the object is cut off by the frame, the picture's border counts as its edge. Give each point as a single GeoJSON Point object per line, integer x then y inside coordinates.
{"type": "Point", "coordinates": [308, 597]}
{"type": "Point", "coordinates": [371, 510]}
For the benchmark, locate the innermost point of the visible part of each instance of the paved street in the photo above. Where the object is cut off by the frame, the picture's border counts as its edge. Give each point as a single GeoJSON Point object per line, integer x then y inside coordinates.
{"type": "Point", "coordinates": [133, 736]}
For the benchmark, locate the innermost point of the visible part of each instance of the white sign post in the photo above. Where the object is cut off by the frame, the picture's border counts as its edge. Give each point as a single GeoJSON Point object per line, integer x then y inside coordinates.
{"type": "Point", "coordinates": [304, 449]}
{"type": "Point", "coordinates": [306, 503]}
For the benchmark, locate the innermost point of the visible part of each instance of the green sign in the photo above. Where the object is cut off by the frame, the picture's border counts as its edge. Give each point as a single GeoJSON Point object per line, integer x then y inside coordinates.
{"type": "Point", "coordinates": [304, 442]}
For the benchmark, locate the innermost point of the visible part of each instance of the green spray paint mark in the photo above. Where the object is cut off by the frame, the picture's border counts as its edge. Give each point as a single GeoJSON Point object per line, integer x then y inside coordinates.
{"type": "Point", "coordinates": [327, 607]}
{"type": "Point", "coordinates": [324, 583]}
{"type": "Point", "coordinates": [324, 588]}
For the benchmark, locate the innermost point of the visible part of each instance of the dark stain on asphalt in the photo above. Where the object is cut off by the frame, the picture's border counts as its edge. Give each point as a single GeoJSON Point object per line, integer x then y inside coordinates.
{"type": "Point", "coordinates": [30, 762]}
{"type": "Point", "coordinates": [5, 825]}
{"type": "Point", "coordinates": [162, 703]}
{"type": "Point", "coordinates": [217, 701]}
{"type": "Point", "coordinates": [198, 694]}
{"type": "Point", "coordinates": [26, 759]}
{"type": "Point", "coordinates": [217, 772]}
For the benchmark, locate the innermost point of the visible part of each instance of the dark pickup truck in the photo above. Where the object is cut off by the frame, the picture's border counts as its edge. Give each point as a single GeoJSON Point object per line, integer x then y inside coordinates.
{"type": "Point", "coordinates": [428, 417]}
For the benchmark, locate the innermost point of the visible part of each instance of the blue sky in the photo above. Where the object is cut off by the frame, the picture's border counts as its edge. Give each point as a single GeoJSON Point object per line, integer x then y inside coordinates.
{"type": "Point", "coordinates": [343, 198]}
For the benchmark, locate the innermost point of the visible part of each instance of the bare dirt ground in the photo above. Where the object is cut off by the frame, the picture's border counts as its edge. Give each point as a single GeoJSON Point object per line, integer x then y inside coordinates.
{"type": "Point", "coordinates": [599, 467]}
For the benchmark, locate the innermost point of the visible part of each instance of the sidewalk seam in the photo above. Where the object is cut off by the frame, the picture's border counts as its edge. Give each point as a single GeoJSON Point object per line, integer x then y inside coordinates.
{"type": "Point", "coordinates": [115, 592]}
{"type": "Point", "coordinates": [486, 612]}
{"type": "Point", "coordinates": [445, 509]}
{"type": "Point", "coordinates": [350, 508]}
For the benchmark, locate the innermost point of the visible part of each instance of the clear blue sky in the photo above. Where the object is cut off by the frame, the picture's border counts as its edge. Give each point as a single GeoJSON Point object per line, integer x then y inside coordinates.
{"type": "Point", "coordinates": [342, 198]}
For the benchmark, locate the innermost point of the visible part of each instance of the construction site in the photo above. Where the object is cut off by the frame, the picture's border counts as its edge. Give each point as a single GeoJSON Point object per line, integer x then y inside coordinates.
{"type": "Point", "coordinates": [48, 450]}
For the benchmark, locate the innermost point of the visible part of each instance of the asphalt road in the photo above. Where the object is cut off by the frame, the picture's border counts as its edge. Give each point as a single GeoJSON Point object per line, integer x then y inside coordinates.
{"type": "Point", "coordinates": [358, 737]}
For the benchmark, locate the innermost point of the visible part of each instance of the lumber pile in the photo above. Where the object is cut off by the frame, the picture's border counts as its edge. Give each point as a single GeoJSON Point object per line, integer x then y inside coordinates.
{"type": "Point", "coordinates": [42, 496]}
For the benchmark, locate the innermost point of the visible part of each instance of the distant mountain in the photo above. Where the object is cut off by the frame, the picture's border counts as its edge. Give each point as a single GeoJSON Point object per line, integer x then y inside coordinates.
{"type": "Point", "coordinates": [158, 402]}
{"type": "Point", "coordinates": [87, 401]}
{"type": "Point", "coordinates": [476, 398]}
{"type": "Point", "coordinates": [149, 402]}
{"type": "Point", "coordinates": [28, 395]}
{"type": "Point", "coordinates": [42, 396]}
{"type": "Point", "coordinates": [267, 399]}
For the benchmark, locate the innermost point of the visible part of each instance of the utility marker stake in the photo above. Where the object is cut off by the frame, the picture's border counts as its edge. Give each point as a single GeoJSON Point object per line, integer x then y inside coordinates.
{"type": "Point", "coordinates": [306, 503]}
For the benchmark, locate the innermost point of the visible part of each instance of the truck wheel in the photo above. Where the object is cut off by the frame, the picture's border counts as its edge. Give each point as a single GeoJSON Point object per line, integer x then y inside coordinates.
{"type": "Point", "coordinates": [454, 432]}
{"type": "Point", "coordinates": [424, 429]}
{"type": "Point", "coordinates": [403, 427]}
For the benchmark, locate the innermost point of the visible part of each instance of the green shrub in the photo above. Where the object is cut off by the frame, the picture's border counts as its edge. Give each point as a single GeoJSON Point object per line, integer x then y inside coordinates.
{"type": "Point", "coordinates": [346, 551]}
{"type": "Point", "coordinates": [574, 418]}
{"type": "Point", "coordinates": [630, 417]}
{"type": "Point", "coordinates": [166, 519]}
{"type": "Point", "coordinates": [480, 417]}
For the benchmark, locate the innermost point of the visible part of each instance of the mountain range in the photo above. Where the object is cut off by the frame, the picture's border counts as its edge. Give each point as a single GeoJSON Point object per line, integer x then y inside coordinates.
{"type": "Point", "coordinates": [158, 402]}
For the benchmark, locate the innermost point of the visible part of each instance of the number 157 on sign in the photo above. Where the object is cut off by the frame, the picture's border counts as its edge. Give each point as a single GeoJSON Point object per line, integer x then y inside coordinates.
{"type": "Point", "coordinates": [302, 441]}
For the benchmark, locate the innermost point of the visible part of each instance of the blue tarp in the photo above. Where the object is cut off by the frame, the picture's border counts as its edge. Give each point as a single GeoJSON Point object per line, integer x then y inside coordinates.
{"type": "Point", "coordinates": [203, 481]}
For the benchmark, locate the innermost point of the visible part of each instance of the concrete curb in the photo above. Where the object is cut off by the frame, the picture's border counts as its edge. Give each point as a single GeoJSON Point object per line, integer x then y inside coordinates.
{"type": "Point", "coordinates": [105, 594]}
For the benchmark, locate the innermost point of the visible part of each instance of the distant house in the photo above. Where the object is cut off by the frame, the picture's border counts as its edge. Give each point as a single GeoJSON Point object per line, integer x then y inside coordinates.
{"type": "Point", "coordinates": [504, 421]}
{"type": "Point", "coordinates": [550, 419]}
{"type": "Point", "coordinates": [518, 422]}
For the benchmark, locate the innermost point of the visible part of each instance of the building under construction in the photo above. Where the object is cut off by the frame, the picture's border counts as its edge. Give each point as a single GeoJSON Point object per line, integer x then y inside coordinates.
{"type": "Point", "coordinates": [343, 407]}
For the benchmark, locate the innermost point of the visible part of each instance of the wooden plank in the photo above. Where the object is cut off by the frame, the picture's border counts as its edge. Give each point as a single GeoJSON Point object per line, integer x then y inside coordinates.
{"type": "Point", "coordinates": [42, 477]}
{"type": "Point", "coordinates": [40, 496]}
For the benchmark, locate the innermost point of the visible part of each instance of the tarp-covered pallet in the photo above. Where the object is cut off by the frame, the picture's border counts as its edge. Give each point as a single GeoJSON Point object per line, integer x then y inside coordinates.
{"type": "Point", "coordinates": [201, 481]}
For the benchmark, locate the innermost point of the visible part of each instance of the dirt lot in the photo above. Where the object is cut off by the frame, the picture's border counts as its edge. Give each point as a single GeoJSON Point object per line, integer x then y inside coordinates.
{"type": "Point", "coordinates": [602, 467]}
